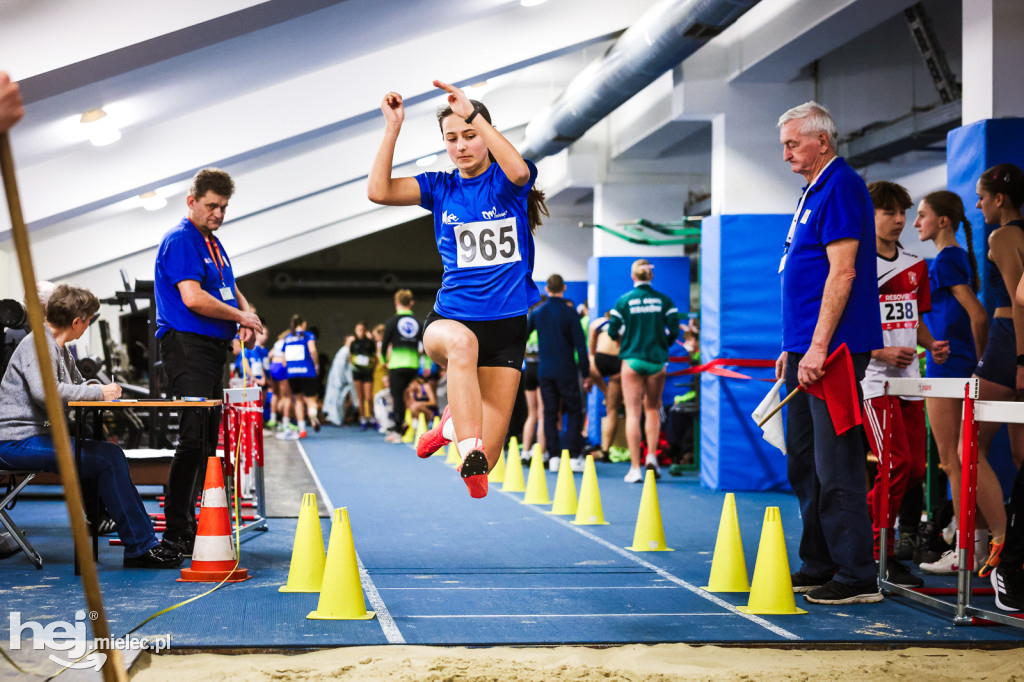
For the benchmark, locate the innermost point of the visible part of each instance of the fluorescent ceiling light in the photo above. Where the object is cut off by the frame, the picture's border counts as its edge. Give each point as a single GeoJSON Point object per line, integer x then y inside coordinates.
{"type": "Point", "coordinates": [531, 3]}
{"type": "Point", "coordinates": [100, 129]}
{"type": "Point", "coordinates": [426, 161]}
{"type": "Point", "coordinates": [151, 201]}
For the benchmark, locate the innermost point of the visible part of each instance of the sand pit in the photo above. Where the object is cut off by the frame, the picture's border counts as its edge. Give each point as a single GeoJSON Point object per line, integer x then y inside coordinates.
{"type": "Point", "coordinates": [631, 662]}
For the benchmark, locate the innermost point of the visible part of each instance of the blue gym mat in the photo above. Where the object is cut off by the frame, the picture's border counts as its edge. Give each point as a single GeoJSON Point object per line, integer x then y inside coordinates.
{"type": "Point", "coordinates": [444, 569]}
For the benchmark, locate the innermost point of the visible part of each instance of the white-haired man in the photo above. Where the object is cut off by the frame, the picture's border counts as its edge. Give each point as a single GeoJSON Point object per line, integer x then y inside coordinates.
{"type": "Point", "coordinates": [829, 297]}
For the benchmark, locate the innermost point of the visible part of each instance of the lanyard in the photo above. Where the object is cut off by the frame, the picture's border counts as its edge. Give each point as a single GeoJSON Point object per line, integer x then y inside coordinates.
{"type": "Point", "coordinates": [217, 258]}
{"type": "Point", "coordinates": [799, 209]}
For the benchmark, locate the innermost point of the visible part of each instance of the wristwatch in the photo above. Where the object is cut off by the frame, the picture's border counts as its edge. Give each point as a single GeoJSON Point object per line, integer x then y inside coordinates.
{"type": "Point", "coordinates": [476, 110]}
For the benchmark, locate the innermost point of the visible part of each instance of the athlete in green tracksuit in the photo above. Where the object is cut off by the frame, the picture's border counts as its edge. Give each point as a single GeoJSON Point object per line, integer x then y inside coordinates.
{"type": "Point", "coordinates": [647, 322]}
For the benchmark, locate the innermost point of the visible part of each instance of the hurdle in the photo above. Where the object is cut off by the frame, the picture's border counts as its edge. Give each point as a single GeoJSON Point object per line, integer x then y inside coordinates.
{"type": "Point", "coordinates": [243, 425]}
{"type": "Point", "coordinates": [974, 411]}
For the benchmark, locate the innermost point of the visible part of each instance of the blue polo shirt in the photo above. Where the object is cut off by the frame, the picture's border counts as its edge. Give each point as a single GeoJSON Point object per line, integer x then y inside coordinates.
{"type": "Point", "coordinates": [184, 254]}
{"type": "Point", "coordinates": [837, 206]}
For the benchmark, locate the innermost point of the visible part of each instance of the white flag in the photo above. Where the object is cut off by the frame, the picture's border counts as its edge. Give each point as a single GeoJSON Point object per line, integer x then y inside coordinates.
{"type": "Point", "coordinates": [772, 431]}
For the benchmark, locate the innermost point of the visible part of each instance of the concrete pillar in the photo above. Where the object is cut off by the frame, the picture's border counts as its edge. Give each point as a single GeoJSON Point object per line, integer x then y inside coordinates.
{"type": "Point", "coordinates": [993, 52]}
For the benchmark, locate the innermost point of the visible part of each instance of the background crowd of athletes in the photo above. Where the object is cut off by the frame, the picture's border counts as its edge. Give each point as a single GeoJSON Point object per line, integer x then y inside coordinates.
{"type": "Point", "coordinates": [361, 386]}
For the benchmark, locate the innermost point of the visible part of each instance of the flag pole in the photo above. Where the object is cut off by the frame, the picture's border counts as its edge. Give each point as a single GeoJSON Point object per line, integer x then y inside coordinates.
{"type": "Point", "coordinates": [114, 669]}
{"type": "Point", "coordinates": [779, 406]}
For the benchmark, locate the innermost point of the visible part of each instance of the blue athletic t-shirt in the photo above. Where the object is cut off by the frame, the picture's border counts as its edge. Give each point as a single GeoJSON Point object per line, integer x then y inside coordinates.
{"type": "Point", "coordinates": [837, 206]}
{"type": "Point", "coordinates": [258, 358]}
{"type": "Point", "coordinates": [296, 355]}
{"type": "Point", "coordinates": [183, 254]}
{"type": "Point", "coordinates": [948, 320]}
{"type": "Point", "coordinates": [483, 236]}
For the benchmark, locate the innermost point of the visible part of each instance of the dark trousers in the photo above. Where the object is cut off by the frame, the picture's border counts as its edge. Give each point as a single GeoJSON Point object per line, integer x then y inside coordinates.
{"type": "Point", "coordinates": [103, 462]}
{"type": "Point", "coordinates": [564, 393]}
{"type": "Point", "coordinates": [399, 380]}
{"type": "Point", "coordinates": [827, 473]}
{"type": "Point", "coordinates": [195, 368]}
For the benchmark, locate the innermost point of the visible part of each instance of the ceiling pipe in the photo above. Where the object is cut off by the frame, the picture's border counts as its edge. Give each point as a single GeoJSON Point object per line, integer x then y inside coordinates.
{"type": "Point", "coordinates": [663, 37]}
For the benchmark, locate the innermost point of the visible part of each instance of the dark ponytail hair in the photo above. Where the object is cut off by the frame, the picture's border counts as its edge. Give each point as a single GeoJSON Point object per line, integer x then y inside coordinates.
{"type": "Point", "coordinates": [1004, 178]}
{"type": "Point", "coordinates": [949, 204]}
{"type": "Point", "coordinates": [536, 205]}
{"type": "Point", "coordinates": [296, 321]}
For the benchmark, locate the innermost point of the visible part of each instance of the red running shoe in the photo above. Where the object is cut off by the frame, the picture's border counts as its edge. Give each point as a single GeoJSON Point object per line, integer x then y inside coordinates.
{"type": "Point", "coordinates": [474, 473]}
{"type": "Point", "coordinates": [433, 440]}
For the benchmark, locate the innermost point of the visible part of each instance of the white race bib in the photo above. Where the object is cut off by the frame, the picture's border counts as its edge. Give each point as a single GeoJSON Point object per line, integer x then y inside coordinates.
{"type": "Point", "coordinates": [361, 360]}
{"type": "Point", "coordinates": [899, 311]}
{"type": "Point", "coordinates": [294, 353]}
{"type": "Point", "coordinates": [487, 242]}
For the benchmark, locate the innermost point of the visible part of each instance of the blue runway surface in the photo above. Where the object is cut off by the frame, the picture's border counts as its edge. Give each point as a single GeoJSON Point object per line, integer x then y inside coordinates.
{"type": "Point", "coordinates": [444, 569]}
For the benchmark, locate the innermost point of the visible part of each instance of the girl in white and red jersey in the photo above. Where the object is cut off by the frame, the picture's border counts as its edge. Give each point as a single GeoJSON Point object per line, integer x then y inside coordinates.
{"type": "Point", "coordinates": [903, 294]}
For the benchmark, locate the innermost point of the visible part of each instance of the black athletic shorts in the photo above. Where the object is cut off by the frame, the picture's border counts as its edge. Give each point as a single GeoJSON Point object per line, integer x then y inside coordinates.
{"type": "Point", "coordinates": [306, 386]}
{"type": "Point", "coordinates": [607, 365]}
{"type": "Point", "coordinates": [530, 380]}
{"type": "Point", "coordinates": [502, 343]}
{"type": "Point", "coordinates": [362, 375]}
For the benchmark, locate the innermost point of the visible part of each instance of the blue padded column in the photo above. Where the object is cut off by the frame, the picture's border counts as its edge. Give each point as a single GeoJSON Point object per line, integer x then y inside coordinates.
{"type": "Point", "coordinates": [741, 308]}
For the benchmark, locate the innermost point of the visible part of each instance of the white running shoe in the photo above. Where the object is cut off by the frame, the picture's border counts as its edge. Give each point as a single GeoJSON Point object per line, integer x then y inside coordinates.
{"type": "Point", "coordinates": [287, 435]}
{"type": "Point", "coordinates": [634, 476]}
{"type": "Point", "coordinates": [554, 463]}
{"type": "Point", "coordinates": [949, 565]}
{"type": "Point", "coordinates": [651, 464]}
{"type": "Point", "coordinates": [577, 464]}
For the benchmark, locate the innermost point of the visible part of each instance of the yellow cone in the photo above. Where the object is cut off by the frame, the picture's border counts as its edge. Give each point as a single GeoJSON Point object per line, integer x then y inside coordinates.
{"type": "Point", "coordinates": [513, 447]}
{"type": "Point", "coordinates": [308, 556]}
{"type": "Point", "coordinates": [410, 432]}
{"type": "Point", "coordinates": [771, 592]}
{"type": "Point", "coordinates": [421, 428]}
{"type": "Point", "coordinates": [341, 594]}
{"type": "Point", "coordinates": [565, 489]}
{"type": "Point", "coordinates": [440, 452]}
{"type": "Point", "coordinates": [513, 480]}
{"type": "Point", "coordinates": [649, 535]}
{"type": "Point", "coordinates": [453, 455]}
{"type": "Point", "coordinates": [589, 511]}
{"type": "Point", "coordinates": [537, 485]}
{"type": "Point", "coordinates": [728, 566]}
{"type": "Point", "coordinates": [497, 474]}
{"type": "Point", "coordinates": [437, 420]}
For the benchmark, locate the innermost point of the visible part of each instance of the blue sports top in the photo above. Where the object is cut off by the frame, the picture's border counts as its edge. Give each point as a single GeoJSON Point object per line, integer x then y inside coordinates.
{"type": "Point", "coordinates": [296, 354]}
{"type": "Point", "coordinates": [948, 320]}
{"type": "Point", "coordinates": [837, 206]}
{"type": "Point", "coordinates": [185, 254]}
{"type": "Point", "coordinates": [483, 236]}
{"type": "Point", "coordinates": [1000, 296]}
{"type": "Point", "coordinates": [258, 358]}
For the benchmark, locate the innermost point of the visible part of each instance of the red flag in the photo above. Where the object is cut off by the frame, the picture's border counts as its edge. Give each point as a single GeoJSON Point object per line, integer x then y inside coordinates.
{"type": "Point", "coordinates": [838, 388]}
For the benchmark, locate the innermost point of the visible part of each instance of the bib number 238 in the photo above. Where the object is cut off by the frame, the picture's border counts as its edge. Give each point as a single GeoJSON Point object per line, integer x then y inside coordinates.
{"type": "Point", "coordinates": [488, 242]}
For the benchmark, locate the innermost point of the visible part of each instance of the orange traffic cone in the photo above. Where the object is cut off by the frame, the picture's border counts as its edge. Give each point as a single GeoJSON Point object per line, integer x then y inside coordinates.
{"type": "Point", "coordinates": [213, 556]}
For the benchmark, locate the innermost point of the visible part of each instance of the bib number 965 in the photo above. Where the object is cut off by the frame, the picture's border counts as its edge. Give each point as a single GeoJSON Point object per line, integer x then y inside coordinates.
{"type": "Point", "coordinates": [488, 242]}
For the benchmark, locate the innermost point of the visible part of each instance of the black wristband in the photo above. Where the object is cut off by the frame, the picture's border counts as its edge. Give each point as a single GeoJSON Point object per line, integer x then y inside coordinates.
{"type": "Point", "coordinates": [476, 110]}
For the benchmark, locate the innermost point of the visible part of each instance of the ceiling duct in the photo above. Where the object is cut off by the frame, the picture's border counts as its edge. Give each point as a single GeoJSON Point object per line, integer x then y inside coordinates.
{"type": "Point", "coordinates": [664, 36]}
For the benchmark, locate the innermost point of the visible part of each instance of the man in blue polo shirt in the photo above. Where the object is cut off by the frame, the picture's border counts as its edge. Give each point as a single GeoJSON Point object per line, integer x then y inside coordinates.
{"type": "Point", "coordinates": [199, 309]}
{"type": "Point", "coordinates": [563, 362]}
{"type": "Point", "coordinates": [829, 297]}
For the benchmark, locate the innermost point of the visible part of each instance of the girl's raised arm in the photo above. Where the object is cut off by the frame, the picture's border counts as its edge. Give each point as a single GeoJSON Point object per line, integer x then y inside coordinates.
{"type": "Point", "coordinates": [381, 188]}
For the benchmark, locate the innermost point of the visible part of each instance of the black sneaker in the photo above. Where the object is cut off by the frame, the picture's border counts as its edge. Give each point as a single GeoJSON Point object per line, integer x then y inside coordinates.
{"type": "Point", "coordinates": [157, 557]}
{"type": "Point", "coordinates": [899, 573]}
{"type": "Point", "coordinates": [834, 592]}
{"type": "Point", "coordinates": [804, 583]}
{"type": "Point", "coordinates": [906, 545]}
{"type": "Point", "coordinates": [182, 546]}
{"type": "Point", "coordinates": [1008, 582]}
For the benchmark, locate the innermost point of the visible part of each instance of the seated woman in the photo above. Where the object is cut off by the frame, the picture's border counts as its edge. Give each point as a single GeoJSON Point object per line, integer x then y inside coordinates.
{"type": "Point", "coordinates": [26, 442]}
{"type": "Point", "coordinates": [420, 398]}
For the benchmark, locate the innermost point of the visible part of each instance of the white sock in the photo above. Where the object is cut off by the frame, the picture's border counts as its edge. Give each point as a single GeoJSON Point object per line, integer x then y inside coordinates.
{"type": "Point", "coordinates": [448, 429]}
{"type": "Point", "coordinates": [287, 421]}
{"type": "Point", "coordinates": [313, 411]}
{"type": "Point", "coordinates": [468, 445]}
{"type": "Point", "coordinates": [302, 425]}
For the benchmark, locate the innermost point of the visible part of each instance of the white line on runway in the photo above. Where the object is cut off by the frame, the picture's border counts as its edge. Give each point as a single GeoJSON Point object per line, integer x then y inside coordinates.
{"type": "Point", "coordinates": [387, 623]}
{"type": "Point", "coordinates": [568, 615]}
{"type": "Point", "coordinates": [663, 573]}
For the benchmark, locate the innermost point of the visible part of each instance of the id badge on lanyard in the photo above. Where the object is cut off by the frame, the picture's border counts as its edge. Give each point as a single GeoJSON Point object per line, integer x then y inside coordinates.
{"type": "Point", "coordinates": [800, 216]}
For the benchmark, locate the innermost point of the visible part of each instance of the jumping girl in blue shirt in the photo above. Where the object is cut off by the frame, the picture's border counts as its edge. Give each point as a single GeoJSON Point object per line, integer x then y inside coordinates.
{"type": "Point", "coordinates": [485, 211]}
